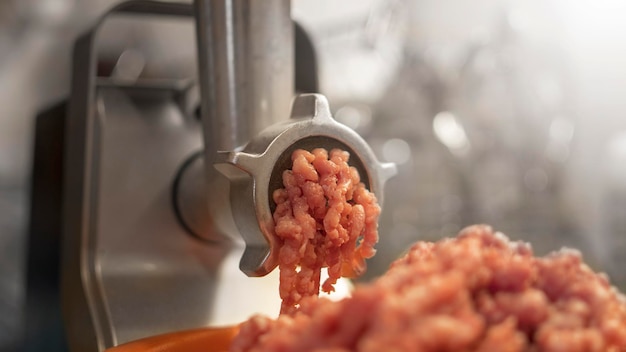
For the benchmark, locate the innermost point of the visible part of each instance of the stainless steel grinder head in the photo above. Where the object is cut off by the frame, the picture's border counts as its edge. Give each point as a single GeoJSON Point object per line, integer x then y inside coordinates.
{"type": "Point", "coordinates": [256, 171]}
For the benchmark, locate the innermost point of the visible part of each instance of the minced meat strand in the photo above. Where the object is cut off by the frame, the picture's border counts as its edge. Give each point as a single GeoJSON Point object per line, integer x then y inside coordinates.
{"type": "Point", "coordinates": [326, 218]}
{"type": "Point", "coordinates": [476, 292]}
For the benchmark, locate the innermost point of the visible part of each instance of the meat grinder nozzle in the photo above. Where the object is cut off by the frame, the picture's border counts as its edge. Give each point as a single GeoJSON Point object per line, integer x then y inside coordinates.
{"type": "Point", "coordinates": [256, 172]}
{"type": "Point", "coordinates": [246, 75]}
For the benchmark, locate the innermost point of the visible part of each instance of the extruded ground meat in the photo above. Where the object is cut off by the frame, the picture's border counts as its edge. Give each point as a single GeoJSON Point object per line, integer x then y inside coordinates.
{"type": "Point", "coordinates": [476, 292]}
{"type": "Point", "coordinates": [326, 218]}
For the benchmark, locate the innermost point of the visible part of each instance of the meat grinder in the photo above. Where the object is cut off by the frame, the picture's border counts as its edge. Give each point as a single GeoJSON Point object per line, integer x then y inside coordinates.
{"type": "Point", "coordinates": [158, 204]}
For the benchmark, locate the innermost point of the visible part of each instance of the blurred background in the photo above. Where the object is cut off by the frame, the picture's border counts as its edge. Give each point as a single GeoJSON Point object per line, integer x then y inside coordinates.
{"type": "Point", "coordinates": [511, 113]}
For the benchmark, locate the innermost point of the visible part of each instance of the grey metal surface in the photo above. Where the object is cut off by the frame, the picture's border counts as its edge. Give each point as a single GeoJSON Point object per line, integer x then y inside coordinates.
{"type": "Point", "coordinates": [246, 75]}
{"type": "Point", "coordinates": [256, 172]}
{"type": "Point", "coordinates": [153, 276]}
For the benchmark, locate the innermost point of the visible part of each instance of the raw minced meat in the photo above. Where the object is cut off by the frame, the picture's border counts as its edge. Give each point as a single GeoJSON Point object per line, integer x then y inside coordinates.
{"type": "Point", "coordinates": [326, 218]}
{"type": "Point", "coordinates": [475, 292]}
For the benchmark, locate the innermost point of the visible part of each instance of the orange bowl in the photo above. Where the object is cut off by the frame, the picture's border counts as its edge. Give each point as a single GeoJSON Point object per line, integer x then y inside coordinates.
{"type": "Point", "coordinates": [196, 340]}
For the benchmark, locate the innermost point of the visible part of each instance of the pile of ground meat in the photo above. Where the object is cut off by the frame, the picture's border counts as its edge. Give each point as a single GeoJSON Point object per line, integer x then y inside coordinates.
{"type": "Point", "coordinates": [476, 292]}
{"type": "Point", "coordinates": [326, 218]}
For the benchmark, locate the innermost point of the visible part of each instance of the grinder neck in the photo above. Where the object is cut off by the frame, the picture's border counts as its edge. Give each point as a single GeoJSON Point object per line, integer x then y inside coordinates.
{"type": "Point", "coordinates": [246, 69]}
